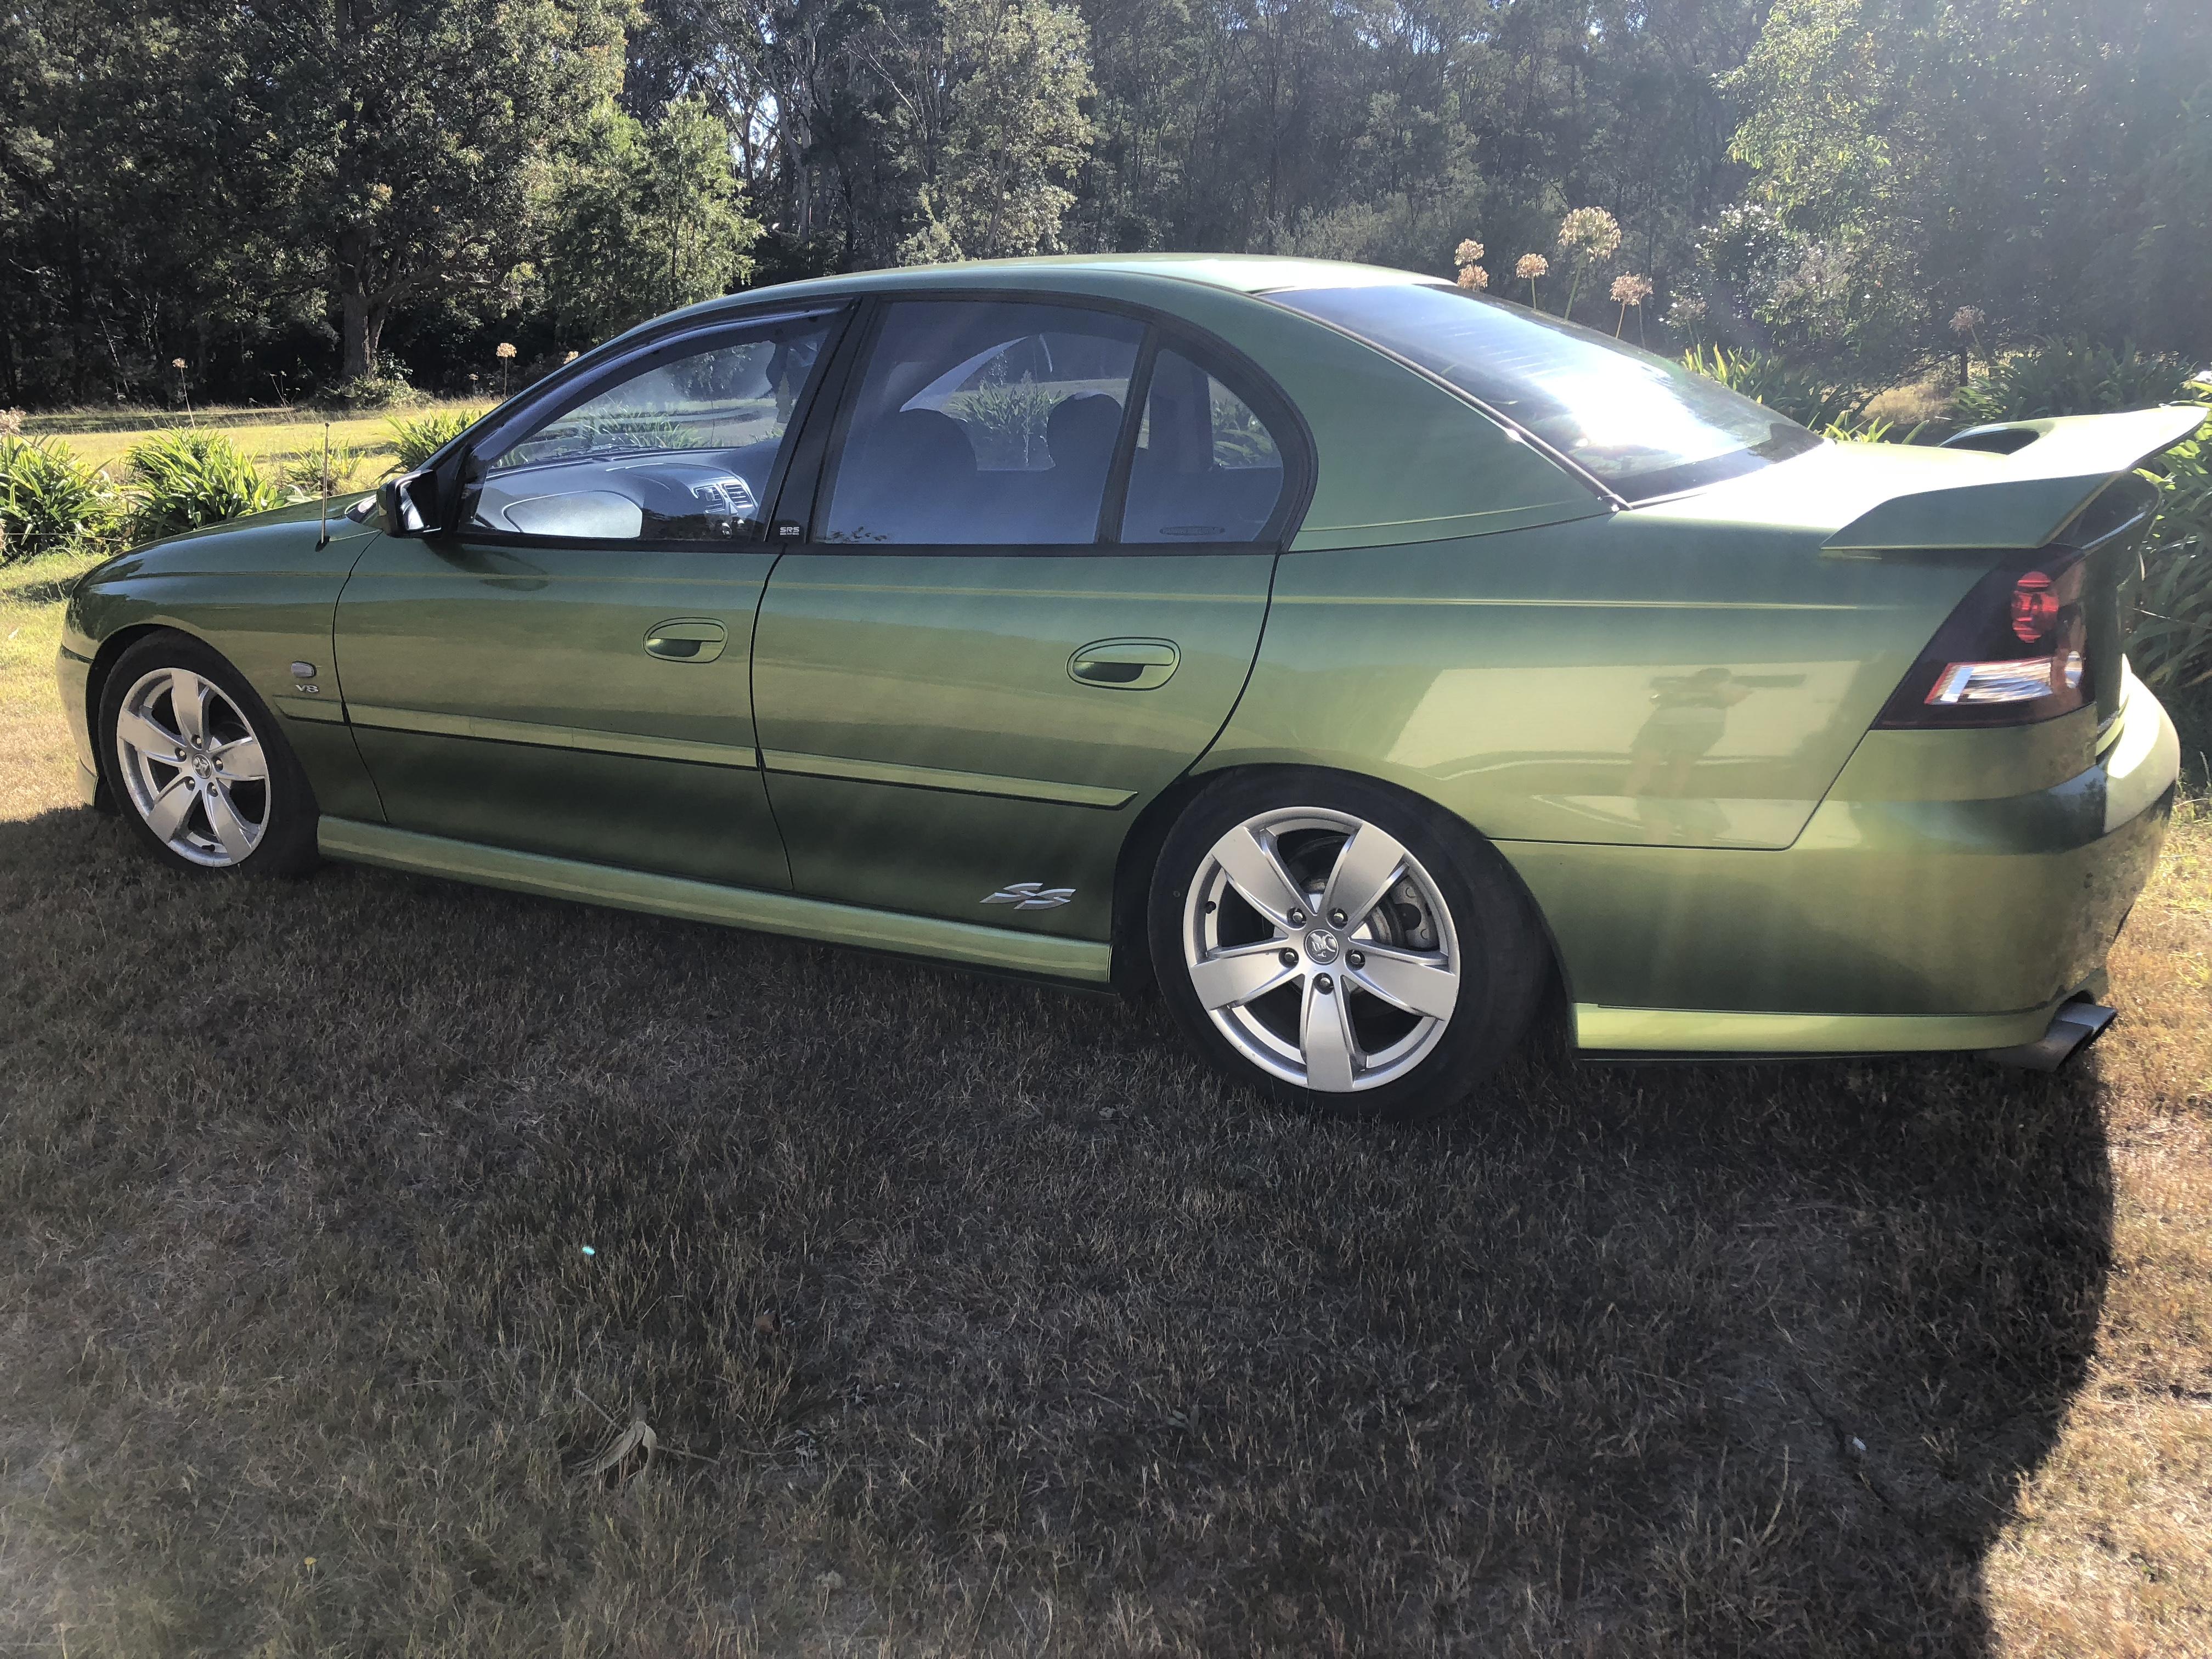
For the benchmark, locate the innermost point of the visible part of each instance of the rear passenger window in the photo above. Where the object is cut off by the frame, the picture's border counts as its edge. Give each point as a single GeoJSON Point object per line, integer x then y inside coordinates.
{"type": "Point", "coordinates": [983, 422]}
{"type": "Point", "coordinates": [1207, 467]}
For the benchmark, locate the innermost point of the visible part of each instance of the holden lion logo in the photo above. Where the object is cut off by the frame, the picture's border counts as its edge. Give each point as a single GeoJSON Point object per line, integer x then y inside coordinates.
{"type": "Point", "coordinates": [1031, 895]}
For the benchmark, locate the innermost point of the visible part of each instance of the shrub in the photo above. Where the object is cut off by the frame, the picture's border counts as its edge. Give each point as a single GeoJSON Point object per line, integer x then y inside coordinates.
{"type": "Point", "coordinates": [2170, 640]}
{"type": "Point", "coordinates": [185, 477]}
{"type": "Point", "coordinates": [49, 499]}
{"type": "Point", "coordinates": [1803, 394]}
{"type": "Point", "coordinates": [307, 477]}
{"type": "Point", "coordinates": [419, 439]}
{"type": "Point", "coordinates": [2070, 377]}
{"type": "Point", "coordinates": [384, 387]}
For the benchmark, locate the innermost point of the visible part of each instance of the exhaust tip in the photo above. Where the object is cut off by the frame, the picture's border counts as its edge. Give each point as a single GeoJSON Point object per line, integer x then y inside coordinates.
{"type": "Point", "coordinates": [2072, 1029]}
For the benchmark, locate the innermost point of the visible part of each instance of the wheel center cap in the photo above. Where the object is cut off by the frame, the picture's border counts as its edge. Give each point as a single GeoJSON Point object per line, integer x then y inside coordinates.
{"type": "Point", "coordinates": [1321, 945]}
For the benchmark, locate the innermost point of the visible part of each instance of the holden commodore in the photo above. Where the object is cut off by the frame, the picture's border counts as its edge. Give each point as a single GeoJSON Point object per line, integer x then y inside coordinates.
{"type": "Point", "coordinates": [1353, 659]}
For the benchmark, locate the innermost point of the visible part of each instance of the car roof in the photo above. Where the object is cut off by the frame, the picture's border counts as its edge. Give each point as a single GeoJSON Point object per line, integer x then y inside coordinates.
{"type": "Point", "coordinates": [1236, 273]}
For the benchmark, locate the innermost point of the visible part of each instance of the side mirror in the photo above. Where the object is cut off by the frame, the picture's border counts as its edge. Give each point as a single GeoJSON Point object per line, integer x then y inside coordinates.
{"type": "Point", "coordinates": [408, 504]}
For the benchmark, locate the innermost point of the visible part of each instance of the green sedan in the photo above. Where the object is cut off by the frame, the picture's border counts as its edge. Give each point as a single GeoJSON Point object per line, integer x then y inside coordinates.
{"type": "Point", "coordinates": [1352, 658]}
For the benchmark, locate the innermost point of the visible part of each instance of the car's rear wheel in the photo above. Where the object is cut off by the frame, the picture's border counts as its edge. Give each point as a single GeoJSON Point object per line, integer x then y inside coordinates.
{"type": "Point", "coordinates": [198, 764]}
{"type": "Point", "coordinates": [1339, 946]}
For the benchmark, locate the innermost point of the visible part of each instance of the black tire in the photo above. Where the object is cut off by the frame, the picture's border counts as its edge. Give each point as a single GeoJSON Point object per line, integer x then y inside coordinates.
{"type": "Point", "coordinates": [1500, 954]}
{"type": "Point", "coordinates": [285, 845]}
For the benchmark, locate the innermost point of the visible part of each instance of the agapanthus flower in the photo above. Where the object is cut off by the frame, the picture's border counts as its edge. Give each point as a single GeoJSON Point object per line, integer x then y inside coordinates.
{"type": "Point", "coordinates": [1631, 290]}
{"type": "Point", "coordinates": [1467, 252]}
{"type": "Point", "coordinates": [1474, 278]}
{"type": "Point", "coordinates": [1531, 266]}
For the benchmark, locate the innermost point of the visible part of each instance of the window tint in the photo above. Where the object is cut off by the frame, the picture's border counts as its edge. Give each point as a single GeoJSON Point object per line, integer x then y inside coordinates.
{"type": "Point", "coordinates": [979, 421]}
{"type": "Point", "coordinates": [1644, 426]}
{"type": "Point", "coordinates": [1207, 468]}
{"type": "Point", "coordinates": [681, 451]}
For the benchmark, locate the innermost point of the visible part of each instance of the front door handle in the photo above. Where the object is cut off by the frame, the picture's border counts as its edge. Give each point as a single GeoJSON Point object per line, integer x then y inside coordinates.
{"type": "Point", "coordinates": [1124, 664]}
{"type": "Point", "coordinates": [686, 639]}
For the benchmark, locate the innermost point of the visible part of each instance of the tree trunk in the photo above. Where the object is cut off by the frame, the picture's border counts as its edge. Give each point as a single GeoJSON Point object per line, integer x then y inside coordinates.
{"type": "Point", "coordinates": [361, 312]}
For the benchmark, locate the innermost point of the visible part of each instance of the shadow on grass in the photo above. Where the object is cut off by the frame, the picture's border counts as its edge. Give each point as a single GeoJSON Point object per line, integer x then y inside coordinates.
{"type": "Point", "coordinates": [1004, 1326]}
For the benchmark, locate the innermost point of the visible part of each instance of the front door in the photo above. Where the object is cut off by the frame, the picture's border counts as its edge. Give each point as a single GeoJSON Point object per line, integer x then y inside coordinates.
{"type": "Point", "coordinates": [1026, 605]}
{"type": "Point", "coordinates": [568, 672]}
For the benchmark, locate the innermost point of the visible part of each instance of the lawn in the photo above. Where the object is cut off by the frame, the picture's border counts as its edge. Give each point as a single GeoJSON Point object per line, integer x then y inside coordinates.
{"type": "Point", "coordinates": [343, 1223]}
{"type": "Point", "coordinates": [269, 437]}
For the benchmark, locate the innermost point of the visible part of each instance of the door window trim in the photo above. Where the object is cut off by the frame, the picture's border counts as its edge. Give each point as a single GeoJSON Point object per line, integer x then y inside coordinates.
{"type": "Point", "coordinates": [571, 392]}
{"type": "Point", "coordinates": [804, 493]}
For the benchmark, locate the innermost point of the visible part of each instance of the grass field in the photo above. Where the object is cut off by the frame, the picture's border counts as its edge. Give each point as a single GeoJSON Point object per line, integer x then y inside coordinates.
{"type": "Point", "coordinates": [972, 1318]}
{"type": "Point", "coordinates": [269, 437]}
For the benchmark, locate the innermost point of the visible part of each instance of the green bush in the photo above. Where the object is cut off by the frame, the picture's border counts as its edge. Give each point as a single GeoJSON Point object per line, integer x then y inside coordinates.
{"type": "Point", "coordinates": [419, 439]}
{"type": "Point", "coordinates": [1805, 395]}
{"type": "Point", "coordinates": [49, 499]}
{"type": "Point", "coordinates": [2070, 377]}
{"type": "Point", "coordinates": [2170, 642]}
{"type": "Point", "coordinates": [185, 477]}
{"type": "Point", "coordinates": [384, 387]}
{"type": "Point", "coordinates": [312, 474]}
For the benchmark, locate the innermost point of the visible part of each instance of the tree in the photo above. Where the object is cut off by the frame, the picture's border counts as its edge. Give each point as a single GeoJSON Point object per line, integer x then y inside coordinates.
{"type": "Point", "coordinates": [398, 141]}
{"type": "Point", "coordinates": [643, 220]}
{"type": "Point", "coordinates": [1014, 74]}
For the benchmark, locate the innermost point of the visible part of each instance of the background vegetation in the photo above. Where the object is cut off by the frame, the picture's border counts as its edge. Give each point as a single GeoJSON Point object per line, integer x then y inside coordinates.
{"type": "Point", "coordinates": [252, 202]}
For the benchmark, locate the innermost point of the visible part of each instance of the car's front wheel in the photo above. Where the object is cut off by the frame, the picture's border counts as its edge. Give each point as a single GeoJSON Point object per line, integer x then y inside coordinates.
{"type": "Point", "coordinates": [196, 762]}
{"type": "Point", "coordinates": [1340, 947]}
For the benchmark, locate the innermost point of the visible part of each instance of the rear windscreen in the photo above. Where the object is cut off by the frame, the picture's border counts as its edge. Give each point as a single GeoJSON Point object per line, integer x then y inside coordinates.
{"type": "Point", "coordinates": [1642, 426]}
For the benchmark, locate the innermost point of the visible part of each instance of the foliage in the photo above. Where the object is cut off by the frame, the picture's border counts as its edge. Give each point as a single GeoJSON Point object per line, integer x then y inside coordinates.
{"type": "Point", "coordinates": [49, 499]}
{"type": "Point", "coordinates": [2071, 377]}
{"type": "Point", "coordinates": [1871, 429]}
{"type": "Point", "coordinates": [1805, 395]}
{"type": "Point", "coordinates": [314, 473]}
{"type": "Point", "coordinates": [185, 477]}
{"type": "Point", "coordinates": [419, 438]}
{"type": "Point", "coordinates": [644, 220]}
{"type": "Point", "coordinates": [1006, 419]}
{"type": "Point", "coordinates": [2170, 641]}
{"type": "Point", "coordinates": [1910, 159]}
{"type": "Point", "coordinates": [385, 385]}
{"type": "Point", "coordinates": [1016, 74]}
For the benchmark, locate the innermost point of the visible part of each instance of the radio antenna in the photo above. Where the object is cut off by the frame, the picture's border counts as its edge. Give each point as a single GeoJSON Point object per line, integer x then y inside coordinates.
{"type": "Point", "coordinates": [323, 524]}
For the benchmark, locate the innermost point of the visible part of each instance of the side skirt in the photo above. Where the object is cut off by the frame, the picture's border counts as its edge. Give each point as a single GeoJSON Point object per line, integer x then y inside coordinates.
{"type": "Point", "coordinates": [1081, 961]}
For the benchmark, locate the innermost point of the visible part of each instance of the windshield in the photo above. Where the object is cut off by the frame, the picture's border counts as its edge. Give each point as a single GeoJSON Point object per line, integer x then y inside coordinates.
{"type": "Point", "coordinates": [1641, 425]}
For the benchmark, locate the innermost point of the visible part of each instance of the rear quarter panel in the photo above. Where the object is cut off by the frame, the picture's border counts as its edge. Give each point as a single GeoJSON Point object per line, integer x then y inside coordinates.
{"type": "Point", "coordinates": [1645, 679]}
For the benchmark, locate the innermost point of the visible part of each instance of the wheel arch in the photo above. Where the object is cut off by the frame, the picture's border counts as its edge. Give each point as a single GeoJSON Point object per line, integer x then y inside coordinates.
{"type": "Point", "coordinates": [1139, 860]}
{"type": "Point", "coordinates": [111, 650]}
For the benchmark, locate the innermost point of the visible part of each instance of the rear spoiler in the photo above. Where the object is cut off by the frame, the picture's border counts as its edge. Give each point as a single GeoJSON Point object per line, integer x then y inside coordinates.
{"type": "Point", "coordinates": [2037, 478]}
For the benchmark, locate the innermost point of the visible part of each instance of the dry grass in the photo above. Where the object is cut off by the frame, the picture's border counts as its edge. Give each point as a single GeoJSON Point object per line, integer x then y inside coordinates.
{"type": "Point", "coordinates": [990, 1323]}
{"type": "Point", "coordinates": [269, 437]}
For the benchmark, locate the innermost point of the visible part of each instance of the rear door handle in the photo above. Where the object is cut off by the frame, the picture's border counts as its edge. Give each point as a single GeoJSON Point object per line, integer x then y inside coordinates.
{"type": "Point", "coordinates": [686, 639]}
{"type": "Point", "coordinates": [1124, 664]}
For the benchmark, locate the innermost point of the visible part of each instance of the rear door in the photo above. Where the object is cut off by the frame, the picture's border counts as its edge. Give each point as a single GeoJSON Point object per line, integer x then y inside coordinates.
{"type": "Point", "coordinates": [1024, 598]}
{"type": "Point", "coordinates": [569, 673]}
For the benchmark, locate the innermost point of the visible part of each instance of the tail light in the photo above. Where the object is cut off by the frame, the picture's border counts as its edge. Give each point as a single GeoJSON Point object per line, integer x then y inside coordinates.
{"type": "Point", "coordinates": [2015, 651]}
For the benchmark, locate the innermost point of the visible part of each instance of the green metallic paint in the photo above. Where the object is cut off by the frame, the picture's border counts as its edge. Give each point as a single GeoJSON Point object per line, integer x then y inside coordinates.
{"type": "Point", "coordinates": [933, 777]}
{"type": "Point", "coordinates": [2028, 498]}
{"type": "Point", "coordinates": [1972, 905]}
{"type": "Point", "coordinates": [1078, 961]}
{"type": "Point", "coordinates": [1632, 679]}
{"type": "Point", "coordinates": [260, 592]}
{"type": "Point", "coordinates": [1660, 716]}
{"type": "Point", "coordinates": [920, 700]}
{"type": "Point", "coordinates": [506, 694]}
{"type": "Point", "coordinates": [549, 737]}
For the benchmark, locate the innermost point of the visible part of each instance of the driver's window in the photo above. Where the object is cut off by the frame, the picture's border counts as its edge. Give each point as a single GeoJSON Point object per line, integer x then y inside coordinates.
{"type": "Point", "coordinates": [680, 450]}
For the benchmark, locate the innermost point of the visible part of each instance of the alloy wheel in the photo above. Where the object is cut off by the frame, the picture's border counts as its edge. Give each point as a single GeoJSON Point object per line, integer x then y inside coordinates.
{"type": "Point", "coordinates": [1321, 949]}
{"type": "Point", "coordinates": [193, 767]}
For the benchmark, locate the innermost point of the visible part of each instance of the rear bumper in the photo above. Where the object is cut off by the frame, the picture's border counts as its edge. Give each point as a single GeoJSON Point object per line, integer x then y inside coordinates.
{"type": "Point", "coordinates": [1918, 911]}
